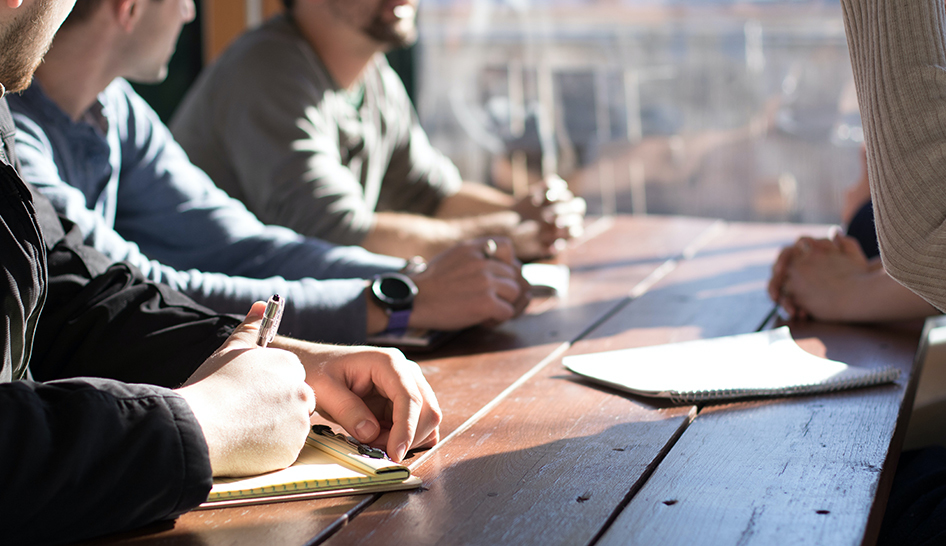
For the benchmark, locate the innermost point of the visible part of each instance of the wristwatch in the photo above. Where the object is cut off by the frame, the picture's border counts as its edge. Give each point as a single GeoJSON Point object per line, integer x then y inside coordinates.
{"type": "Point", "coordinates": [395, 294]}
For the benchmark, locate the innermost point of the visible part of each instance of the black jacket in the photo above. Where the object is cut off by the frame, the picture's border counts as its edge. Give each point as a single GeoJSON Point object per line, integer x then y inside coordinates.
{"type": "Point", "coordinates": [115, 449]}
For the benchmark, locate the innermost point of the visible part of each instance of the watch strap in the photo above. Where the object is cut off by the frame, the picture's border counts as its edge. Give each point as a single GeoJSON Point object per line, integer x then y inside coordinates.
{"type": "Point", "coordinates": [397, 321]}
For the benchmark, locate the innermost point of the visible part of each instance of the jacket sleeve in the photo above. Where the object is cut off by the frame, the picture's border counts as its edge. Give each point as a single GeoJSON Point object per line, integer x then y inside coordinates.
{"type": "Point", "coordinates": [87, 457]}
{"type": "Point", "coordinates": [103, 319]}
{"type": "Point", "coordinates": [83, 457]}
{"type": "Point", "coordinates": [898, 56]}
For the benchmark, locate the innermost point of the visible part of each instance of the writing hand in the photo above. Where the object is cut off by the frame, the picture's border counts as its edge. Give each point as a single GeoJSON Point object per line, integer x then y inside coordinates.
{"type": "Point", "coordinates": [252, 404]}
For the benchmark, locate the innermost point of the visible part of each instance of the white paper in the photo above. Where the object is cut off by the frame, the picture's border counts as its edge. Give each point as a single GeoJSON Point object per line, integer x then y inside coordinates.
{"type": "Point", "coordinates": [768, 362]}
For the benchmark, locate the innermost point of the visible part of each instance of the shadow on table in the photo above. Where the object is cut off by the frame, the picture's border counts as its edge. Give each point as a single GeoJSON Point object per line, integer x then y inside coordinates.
{"type": "Point", "coordinates": [656, 260]}
{"type": "Point", "coordinates": [717, 304]}
{"type": "Point", "coordinates": [559, 492]}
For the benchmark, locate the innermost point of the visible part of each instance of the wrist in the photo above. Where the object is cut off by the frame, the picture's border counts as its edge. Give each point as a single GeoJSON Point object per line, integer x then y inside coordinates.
{"type": "Point", "coordinates": [376, 320]}
{"type": "Point", "coordinates": [394, 294]}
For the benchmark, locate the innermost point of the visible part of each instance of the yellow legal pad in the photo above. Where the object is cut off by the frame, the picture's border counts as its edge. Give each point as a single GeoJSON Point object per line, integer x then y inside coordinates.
{"type": "Point", "coordinates": [327, 466]}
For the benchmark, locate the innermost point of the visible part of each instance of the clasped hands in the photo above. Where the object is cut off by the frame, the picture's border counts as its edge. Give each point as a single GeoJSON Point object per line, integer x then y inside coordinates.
{"type": "Point", "coordinates": [551, 215]}
{"type": "Point", "coordinates": [819, 278]}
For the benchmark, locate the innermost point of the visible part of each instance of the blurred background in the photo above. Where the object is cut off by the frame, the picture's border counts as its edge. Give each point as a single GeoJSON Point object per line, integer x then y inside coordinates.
{"type": "Point", "coordinates": [741, 110]}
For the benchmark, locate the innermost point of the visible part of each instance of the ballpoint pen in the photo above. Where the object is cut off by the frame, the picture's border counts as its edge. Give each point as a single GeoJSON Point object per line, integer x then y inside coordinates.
{"type": "Point", "coordinates": [271, 317]}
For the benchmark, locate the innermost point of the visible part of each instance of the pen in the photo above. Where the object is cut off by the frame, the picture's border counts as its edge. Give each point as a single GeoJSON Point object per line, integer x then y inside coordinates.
{"type": "Point", "coordinates": [271, 317]}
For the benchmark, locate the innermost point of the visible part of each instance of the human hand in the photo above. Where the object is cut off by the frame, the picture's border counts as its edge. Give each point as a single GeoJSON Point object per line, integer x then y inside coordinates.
{"type": "Point", "coordinates": [252, 404]}
{"type": "Point", "coordinates": [550, 215]}
{"type": "Point", "coordinates": [821, 278]}
{"type": "Point", "coordinates": [779, 270]}
{"type": "Point", "coordinates": [464, 287]}
{"type": "Point", "coordinates": [377, 395]}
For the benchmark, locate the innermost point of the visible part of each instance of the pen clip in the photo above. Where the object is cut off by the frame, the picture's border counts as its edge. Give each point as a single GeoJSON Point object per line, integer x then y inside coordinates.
{"type": "Point", "coordinates": [270, 323]}
{"type": "Point", "coordinates": [362, 449]}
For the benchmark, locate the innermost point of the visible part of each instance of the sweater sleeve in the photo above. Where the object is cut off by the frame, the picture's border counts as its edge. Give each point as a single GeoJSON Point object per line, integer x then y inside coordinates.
{"type": "Point", "coordinates": [323, 283]}
{"type": "Point", "coordinates": [95, 456]}
{"type": "Point", "coordinates": [898, 56]}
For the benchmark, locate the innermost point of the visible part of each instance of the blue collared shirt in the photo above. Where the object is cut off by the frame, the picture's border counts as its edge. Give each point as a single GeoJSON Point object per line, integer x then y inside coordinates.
{"type": "Point", "coordinates": [120, 176]}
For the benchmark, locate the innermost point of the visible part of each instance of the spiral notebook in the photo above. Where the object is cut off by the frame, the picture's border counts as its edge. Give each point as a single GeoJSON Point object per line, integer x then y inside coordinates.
{"type": "Point", "coordinates": [328, 465]}
{"type": "Point", "coordinates": [762, 364]}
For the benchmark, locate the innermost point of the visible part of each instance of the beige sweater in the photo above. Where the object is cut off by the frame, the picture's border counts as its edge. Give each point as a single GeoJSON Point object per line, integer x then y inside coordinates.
{"type": "Point", "coordinates": [899, 59]}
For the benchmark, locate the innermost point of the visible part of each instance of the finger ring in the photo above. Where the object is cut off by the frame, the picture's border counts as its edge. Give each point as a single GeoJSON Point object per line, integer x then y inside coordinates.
{"type": "Point", "coordinates": [489, 251]}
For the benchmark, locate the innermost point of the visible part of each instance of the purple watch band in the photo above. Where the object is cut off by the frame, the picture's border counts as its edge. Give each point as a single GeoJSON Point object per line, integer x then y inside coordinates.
{"type": "Point", "coordinates": [397, 322]}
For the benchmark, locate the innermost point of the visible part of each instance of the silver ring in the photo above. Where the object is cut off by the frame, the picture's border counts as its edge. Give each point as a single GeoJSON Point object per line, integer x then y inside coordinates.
{"type": "Point", "coordinates": [489, 251]}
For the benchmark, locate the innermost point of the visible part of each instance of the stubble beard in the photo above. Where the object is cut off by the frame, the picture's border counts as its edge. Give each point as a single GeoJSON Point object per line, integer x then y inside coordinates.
{"type": "Point", "coordinates": [22, 46]}
{"type": "Point", "coordinates": [395, 36]}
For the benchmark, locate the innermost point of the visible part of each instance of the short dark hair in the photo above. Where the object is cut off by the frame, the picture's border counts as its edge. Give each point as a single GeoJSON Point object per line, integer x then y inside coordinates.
{"type": "Point", "coordinates": [82, 10]}
{"type": "Point", "coordinates": [288, 4]}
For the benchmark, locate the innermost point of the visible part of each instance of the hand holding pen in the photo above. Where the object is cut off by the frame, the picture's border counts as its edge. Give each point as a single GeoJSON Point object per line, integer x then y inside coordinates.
{"type": "Point", "coordinates": [253, 406]}
{"type": "Point", "coordinates": [376, 395]}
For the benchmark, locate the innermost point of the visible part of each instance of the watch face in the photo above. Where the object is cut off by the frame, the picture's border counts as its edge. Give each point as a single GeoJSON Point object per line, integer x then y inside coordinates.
{"type": "Point", "coordinates": [394, 290]}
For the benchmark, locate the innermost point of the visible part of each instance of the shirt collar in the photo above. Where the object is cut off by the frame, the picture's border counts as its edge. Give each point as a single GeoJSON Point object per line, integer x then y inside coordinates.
{"type": "Point", "coordinates": [94, 117]}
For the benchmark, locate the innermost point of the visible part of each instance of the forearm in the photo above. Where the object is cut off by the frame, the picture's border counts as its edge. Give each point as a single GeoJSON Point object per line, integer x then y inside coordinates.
{"type": "Point", "coordinates": [897, 54]}
{"type": "Point", "coordinates": [408, 235]}
{"type": "Point", "coordinates": [474, 199]}
{"type": "Point", "coordinates": [330, 311]}
{"type": "Point", "coordinates": [877, 297]}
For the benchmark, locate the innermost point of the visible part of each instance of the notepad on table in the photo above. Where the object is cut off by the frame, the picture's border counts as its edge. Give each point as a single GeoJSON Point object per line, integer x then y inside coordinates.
{"type": "Point", "coordinates": [767, 363]}
{"type": "Point", "coordinates": [325, 467]}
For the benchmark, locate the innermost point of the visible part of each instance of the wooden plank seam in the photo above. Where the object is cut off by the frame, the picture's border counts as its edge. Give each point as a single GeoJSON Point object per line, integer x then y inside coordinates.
{"type": "Point", "coordinates": [641, 288]}
{"type": "Point", "coordinates": [645, 475]}
{"type": "Point", "coordinates": [637, 291]}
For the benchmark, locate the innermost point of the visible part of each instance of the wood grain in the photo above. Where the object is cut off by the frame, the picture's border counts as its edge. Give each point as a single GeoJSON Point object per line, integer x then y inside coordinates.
{"type": "Point", "coordinates": [541, 467]}
{"type": "Point", "coordinates": [482, 363]}
{"type": "Point", "coordinates": [536, 456]}
{"type": "Point", "coordinates": [806, 470]}
{"type": "Point", "coordinates": [471, 371]}
{"type": "Point", "coordinates": [547, 466]}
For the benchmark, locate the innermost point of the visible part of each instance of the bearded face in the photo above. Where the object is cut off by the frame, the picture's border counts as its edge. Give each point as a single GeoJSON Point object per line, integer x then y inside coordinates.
{"type": "Point", "coordinates": [26, 38]}
{"type": "Point", "coordinates": [391, 23]}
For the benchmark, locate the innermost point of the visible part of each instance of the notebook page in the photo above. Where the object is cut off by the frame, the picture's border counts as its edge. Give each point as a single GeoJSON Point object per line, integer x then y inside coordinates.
{"type": "Point", "coordinates": [741, 365]}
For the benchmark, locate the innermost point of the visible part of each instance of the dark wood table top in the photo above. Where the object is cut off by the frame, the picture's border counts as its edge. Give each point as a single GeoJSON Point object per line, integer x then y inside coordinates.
{"type": "Point", "coordinates": [532, 455]}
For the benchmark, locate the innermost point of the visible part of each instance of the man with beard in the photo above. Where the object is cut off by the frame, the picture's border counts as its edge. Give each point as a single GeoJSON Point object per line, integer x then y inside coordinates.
{"type": "Point", "coordinates": [305, 122]}
{"type": "Point", "coordinates": [120, 399]}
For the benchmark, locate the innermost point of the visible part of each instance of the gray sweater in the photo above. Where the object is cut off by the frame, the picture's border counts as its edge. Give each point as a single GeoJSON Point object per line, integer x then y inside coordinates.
{"type": "Point", "coordinates": [899, 59]}
{"type": "Point", "coordinates": [272, 128]}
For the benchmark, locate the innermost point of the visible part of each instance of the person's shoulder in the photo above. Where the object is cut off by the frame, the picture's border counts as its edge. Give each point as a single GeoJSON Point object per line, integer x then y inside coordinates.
{"type": "Point", "coordinates": [119, 89]}
{"type": "Point", "coordinates": [32, 103]}
{"type": "Point", "coordinates": [273, 45]}
{"type": "Point", "coordinates": [121, 95]}
{"type": "Point", "coordinates": [36, 118]}
{"type": "Point", "coordinates": [390, 87]}
{"type": "Point", "coordinates": [381, 69]}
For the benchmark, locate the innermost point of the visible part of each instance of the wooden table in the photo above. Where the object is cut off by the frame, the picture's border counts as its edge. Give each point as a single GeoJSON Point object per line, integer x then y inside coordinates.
{"type": "Point", "coordinates": [532, 455]}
